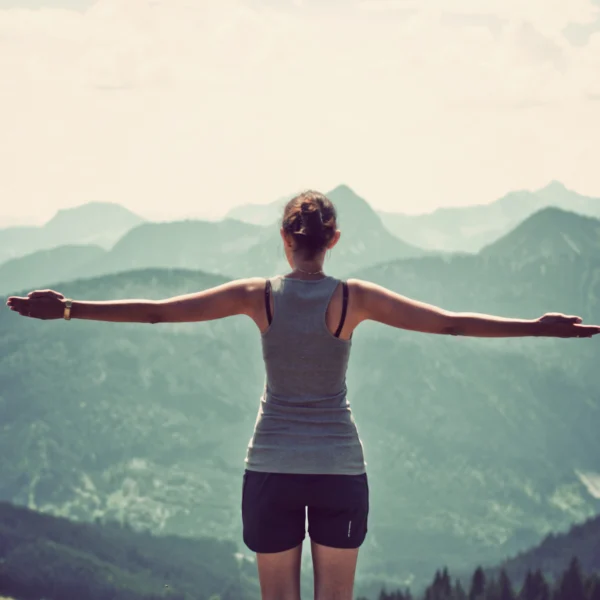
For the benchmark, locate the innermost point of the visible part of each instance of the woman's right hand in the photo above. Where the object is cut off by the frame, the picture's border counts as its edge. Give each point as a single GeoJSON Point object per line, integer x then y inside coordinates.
{"type": "Point", "coordinates": [566, 326]}
{"type": "Point", "coordinates": [39, 304]}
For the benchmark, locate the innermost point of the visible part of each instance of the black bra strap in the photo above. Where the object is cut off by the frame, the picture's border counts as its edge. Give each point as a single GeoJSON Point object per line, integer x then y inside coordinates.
{"type": "Point", "coordinates": [268, 300]}
{"type": "Point", "coordinates": [344, 309]}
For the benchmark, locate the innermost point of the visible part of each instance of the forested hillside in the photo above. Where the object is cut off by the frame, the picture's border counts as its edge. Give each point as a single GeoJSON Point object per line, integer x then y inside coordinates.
{"type": "Point", "coordinates": [49, 557]}
{"type": "Point", "coordinates": [562, 567]}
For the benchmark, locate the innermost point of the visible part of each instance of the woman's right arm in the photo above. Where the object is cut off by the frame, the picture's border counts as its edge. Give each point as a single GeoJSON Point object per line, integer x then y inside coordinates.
{"type": "Point", "coordinates": [376, 303]}
{"type": "Point", "coordinates": [226, 300]}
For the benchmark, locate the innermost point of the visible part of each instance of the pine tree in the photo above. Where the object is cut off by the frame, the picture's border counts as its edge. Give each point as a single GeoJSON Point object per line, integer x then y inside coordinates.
{"type": "Point", "coordinates": [541, 589]}
{"type": "Point", "coordinates": [435, 591]}
{"type": "Point", "coordinates": [505, 588]}
{"type": "Point", "coordinates": [571, 584]}
{"type": "Point", "coordinates": [446, 585]}
{"type": "Point", "coordinates": [527, 590]}
{"type": "Point", "coordinates": [477, 591]}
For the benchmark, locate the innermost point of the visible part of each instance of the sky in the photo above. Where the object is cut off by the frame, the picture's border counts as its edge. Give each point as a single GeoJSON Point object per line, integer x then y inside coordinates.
{"type": "Point", "coordinates": [180, 108]}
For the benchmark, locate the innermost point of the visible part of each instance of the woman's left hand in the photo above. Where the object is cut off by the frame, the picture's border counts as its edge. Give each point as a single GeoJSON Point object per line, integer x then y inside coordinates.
{"type": "Point", "coordinates": [566, 326]}
{"type": "Point", "coordinates": [39, 304]}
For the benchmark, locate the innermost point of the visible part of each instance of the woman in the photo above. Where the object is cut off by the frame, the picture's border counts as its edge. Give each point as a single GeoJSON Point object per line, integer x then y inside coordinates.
{"type": "Point", "coordinates": [305, 452]}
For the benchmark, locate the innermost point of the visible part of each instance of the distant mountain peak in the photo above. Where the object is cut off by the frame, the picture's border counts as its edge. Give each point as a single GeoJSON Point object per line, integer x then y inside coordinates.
{"type": "Point", "coordinates": [545, 211]}
{"type": "Point", "coordinates": [555, 186]}
{"type": "Point", "coordinates": [93, 209]}
{"type": "Point", "coordinates": [556, 215]}
{"type": "Point", "coordinates": [343, 189]}
{"type": "Point", "coordinates": [549, 232]}
{"type": "Point", "coordinates": [345, 195]}
{"type": "Point", "coordinates": [99, 223]}
{"type": "Point", "coordinates": [352, 208]}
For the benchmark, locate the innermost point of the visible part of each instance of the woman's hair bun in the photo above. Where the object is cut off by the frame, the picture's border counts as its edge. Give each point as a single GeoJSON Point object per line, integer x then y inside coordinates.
{"type": "Point", "coordinates": [311, 220]}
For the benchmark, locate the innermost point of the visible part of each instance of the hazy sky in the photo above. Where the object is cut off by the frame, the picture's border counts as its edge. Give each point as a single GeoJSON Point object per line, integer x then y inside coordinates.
{"type": "Point", "coordinates": [175, 107]}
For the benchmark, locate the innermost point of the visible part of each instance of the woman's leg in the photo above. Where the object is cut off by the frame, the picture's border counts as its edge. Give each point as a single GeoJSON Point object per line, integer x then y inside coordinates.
{"type": "Point", "coordinates": [337, 523]}
{"type": "Point", "coordinates": [279, 574]}
{"type": "Point", "coordinates": [273, 518]}
{"type": "Point", "coordinates": [334, 570]}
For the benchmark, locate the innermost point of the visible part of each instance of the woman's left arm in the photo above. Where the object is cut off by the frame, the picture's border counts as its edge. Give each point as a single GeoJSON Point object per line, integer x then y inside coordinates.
{"type": "Point", "coordinates": [232, 298]}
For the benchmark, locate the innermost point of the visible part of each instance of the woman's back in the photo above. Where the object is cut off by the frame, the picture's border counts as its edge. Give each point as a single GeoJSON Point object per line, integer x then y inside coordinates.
{"type": "Point", "coordinates": [304, 423]}
{"type": "Point", "coordinates": [304, 361]}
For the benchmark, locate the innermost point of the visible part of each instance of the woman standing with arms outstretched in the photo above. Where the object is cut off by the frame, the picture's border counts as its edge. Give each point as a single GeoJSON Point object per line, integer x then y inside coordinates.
{"type": "Point", "coordinates": [305, 453]}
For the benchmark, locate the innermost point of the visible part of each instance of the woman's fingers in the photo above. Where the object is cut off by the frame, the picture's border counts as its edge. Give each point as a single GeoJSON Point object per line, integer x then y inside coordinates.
{"type": "Point", "coordinates": [20, 305]}
{"type": "Point", "coordinates": [586, 330]}
{"type": "Point", "coordinates": [14, 301]}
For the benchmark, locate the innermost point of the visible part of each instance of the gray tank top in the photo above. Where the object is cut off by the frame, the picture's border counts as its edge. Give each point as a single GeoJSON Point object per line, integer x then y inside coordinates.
{"type": "Point", "coordinates": [304, 422]}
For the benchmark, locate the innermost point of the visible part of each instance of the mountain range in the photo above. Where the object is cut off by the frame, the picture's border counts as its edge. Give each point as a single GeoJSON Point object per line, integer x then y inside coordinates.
{"type": "Point", "coordinates": [95, 223]}
{"type": "Point", "coordinates": [236, 248]}
{"type": "Point", "coordinates": [458, 229]}
{"type": "Point", "coordinates": [213, 247]}
{"type": "Point", "coordinates": [47, 266]}
{"type": "Point", "coordinates": [247, 241]}
{"type": "Point", "coordinates": [550, 232]}
{"type": "Point", "coordinates": [364, 240]}
{"type": "Point", "coordinates": [227, 247]}
{"type": "Point", "coordinates": [455, 229]}
{"type": "Point", "coordinates": [469, 228]}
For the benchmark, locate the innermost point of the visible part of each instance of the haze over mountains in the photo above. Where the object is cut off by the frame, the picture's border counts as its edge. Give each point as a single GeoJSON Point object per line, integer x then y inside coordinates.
{"type": "Point", "coordinates": [476, 448]}
{"type": "Point", "coordinates": [455, 229]}
{"type": "Point", "coordinates": [237, 249]}
{"type": "Point", "coordinates": [227, 247]}
{"type": "Point", "coordinates": [461, 229]}
{"type": "Point", "coordinates": [551, 232]}
{"type": "Point", "coordinates": [46, 266]}
{"type": "Point", "coordinates": [259, 214]}
{"type": "Point", "coordinates": [470, 228]}
{"type": "Point", "coordinates": [96, 223]}
{"type": "Point", "coordinates": [364, 240]}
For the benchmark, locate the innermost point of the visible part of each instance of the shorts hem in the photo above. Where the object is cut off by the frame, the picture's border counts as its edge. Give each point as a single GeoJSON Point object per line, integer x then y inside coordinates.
{"type": "Point", "coordinates": [274, 549]}
{"type": "Point", "coordinates": [340, 546]}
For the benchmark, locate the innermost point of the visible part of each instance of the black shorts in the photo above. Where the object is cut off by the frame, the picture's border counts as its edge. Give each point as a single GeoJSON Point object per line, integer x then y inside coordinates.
{"type": "Point", "coordinates": [274, 510]}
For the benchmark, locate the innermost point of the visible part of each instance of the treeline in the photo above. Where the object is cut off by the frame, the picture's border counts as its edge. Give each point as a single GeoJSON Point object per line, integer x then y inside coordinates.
{"type": "Point", "coordinates": [571, 585]}
{"type": "Point", "coordinates": [556, 550]}
{"type": "Point", "coordinates": [49, 557]}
